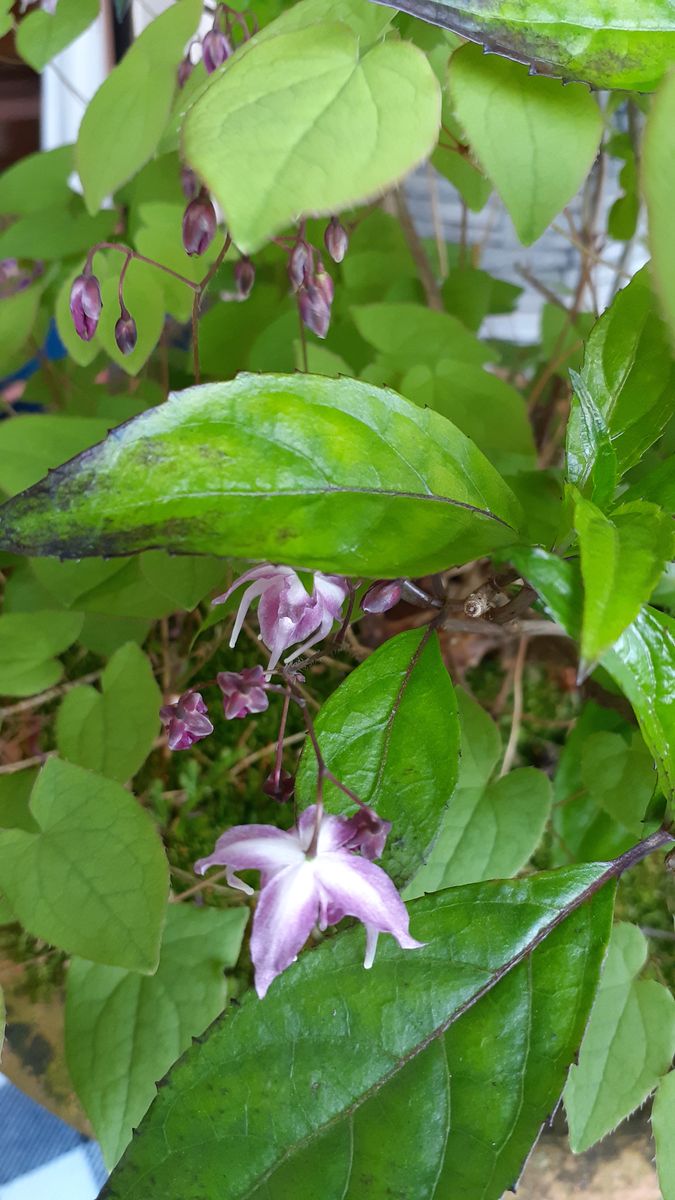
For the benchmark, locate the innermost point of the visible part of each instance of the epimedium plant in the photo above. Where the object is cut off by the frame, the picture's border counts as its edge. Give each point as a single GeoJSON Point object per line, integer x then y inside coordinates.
{"type": "Point", "coordinates": [264, 362]}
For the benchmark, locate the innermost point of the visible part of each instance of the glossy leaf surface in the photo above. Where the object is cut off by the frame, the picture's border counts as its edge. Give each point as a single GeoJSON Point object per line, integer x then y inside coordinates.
{"type": "Point", "coordinates": [93, 879]}
{"type": "Point", "coordinates": [116, 1017]}
{"type": "Point", "coordinates": [622, 558]}
{"type": "Point", "coordinates": [300, 469]}
{"type": "Point", "coordinates": [609, 45]}
{"type": "Point", "coordinates": [623, 394]}
{"type": "Point", "coordinates": [535, 139]}
{"type": "Point", "coordinates": [341, 126]}
{"type": "Point", "coordinates": [278, 1087]}
{"type": "Point", "coordinates": [390, 733]}
{"type": "Point", "coordinates": [112, 731]}
{"type": "Point", "coordinates": [629, 1043]}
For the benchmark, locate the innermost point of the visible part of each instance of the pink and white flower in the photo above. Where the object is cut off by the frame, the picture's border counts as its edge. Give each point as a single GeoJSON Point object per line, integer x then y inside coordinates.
{"type": "Point", "coordinates": [305, 884]}
{"type": "Point", "coordinates": [186, 721]}
{"type": "Point", "coordinates": [243, 692]}
{"type": "Point", "coordinates": [287, 612]}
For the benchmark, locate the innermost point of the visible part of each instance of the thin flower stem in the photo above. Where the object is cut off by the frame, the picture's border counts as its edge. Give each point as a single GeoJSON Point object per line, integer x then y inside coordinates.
{"type": "Point", "coordinates": [120, 286]}
{"type": "Point", "coordinates": [134, 254]}
{"type": "Point", "coordinates": [278, 760]}
{"type": "Point", "coordinates": [516, 719]}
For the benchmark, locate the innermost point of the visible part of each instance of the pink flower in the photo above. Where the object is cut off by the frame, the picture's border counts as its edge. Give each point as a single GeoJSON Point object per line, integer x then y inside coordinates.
{"type": "Point", "coordinates": [300, 889]}
{"type": "Point", "coordinates": [243, 692]}
{"type": "Point", "coordinates": [287, 613]}
{"type": "Point", "coordinates": [186, 721]}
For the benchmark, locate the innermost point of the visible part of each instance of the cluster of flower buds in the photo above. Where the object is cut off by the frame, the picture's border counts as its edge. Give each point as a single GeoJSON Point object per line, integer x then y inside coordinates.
{"type": "Point", "coordinates": [199, 224]}
{"type": "Point", "coordinates": [218, 43]}
{"type": "Point", "coordinates": [86, 305]}
{"type": "Point", "coordinates": [310, 280]}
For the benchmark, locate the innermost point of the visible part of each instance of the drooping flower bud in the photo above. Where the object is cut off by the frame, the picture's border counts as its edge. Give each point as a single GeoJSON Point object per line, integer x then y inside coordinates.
{"type": "Point", "coordinates": [199, 224]}
{"type": "Point", "coordinates": [323, 281]}
{"type": "Point", "coordinates": [336, 240]}
{"type": "Point", "coordinates": [189, 183]}
{"type": "Point", "coordinates": [85, 305]}
{"type": "Point", "coordinates": [126, 334]}
{"type": "Point", "coordinates": [244, 277]}
{"type": "Point", "coordinates": [314, 309]}
{"type": "Point", "coordinates": [281, 787]}
{"type": "Point", "coordinates": [381, 596]}
{"type": "Point", "coordinates": [186, 721]}
{"type": "Point", "coordinates": [185, 70]}
{"type": "Point", "coordinates": [243, 692]}
{"type": "Point", "coordinates": [215, 50]}
{"type": "Point", "coordinates": [298, 264]}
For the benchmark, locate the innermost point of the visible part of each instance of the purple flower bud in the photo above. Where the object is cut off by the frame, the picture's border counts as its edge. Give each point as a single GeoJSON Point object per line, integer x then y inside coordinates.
{"type": "Point", "coordinates": [243, 692]}
{"type": "Point", "coordinates": [368, 833]}
{"type": "Point", "coordinates": [298, 264]}
{"type": "Point", "coordinates": [189, 183]}
{"type": "Point", "coordinates": [126, 334]}
{"type": "Point", "coordinates": [215, 50]}
{"type": "Point", "coordinates": [323, 281]}
{"type": "Point", "coordinates": [244, 276]}
{"type": "Point", "coordinates": [185, 721]}
{"type": "Point", "coordinates": [184, 71]}
{"type": "Point", "coordinates": [199, 224]}
{"type": "Point", "coordinates": [381, 596]}
{"type": "Point", "coordinates": [336, 240]}
{"type": "Point", "coordinates": [314, 309]}
{"type": "Point", "coordinates": [85, 305]}
{"type": "Point", "coordinates": [281, 788]}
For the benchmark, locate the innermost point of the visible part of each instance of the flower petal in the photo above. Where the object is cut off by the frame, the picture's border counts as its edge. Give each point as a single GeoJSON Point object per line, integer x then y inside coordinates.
{"type": "Point", "coordinates": [335, 831]}
{"type": "Point", "coordinates": [355, 887]}
{"type": "Point", "coordinates": [287, 910]}
{"type": "Point", "coordinates": [254, 848]}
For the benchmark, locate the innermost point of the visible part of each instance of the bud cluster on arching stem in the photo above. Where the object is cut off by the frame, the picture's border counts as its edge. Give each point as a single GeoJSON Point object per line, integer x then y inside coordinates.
{"type": "Point", "coordinates": [309, 279]}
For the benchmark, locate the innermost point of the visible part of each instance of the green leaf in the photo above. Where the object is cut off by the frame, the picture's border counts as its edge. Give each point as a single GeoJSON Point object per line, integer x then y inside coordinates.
{"type": "Point", "coordinates": [32, 444]}
{"type": "Point", "coordinates": [37, 181]}
{"type": "Point", "coordinates": [620, 777]}
{"type": "Point", "coordinates": [663, 1117]}
{"type": "Point", "coordinates": [112, 731]}
{"type": "Point", "coordinates": [390, 733]}
{"type": "Point", "coordinates": [340, 126]}
{"type": "Point", "coordinates": [490, 829]}
{"type": "Point", "coordinates": [124, 1030]}
{"type": "Point", "coordinates": [658, 181]}
{"type": "Point", "coordinates": [259, 468]}
{"type": "Point", "coordinates": [622, 558]}
{"type": "Point", "coordinates": [42, 35]}
{"type": "Point", "coordinates": [409, 333]}
{"type": "Point", "coordinates": [487, 409]}
{"type": "Point", "coordinates": [582, 830]}
{"type": "Point", "coordinates": [623, 395]}
{"type": "Point", "coordinates": [609, 45]}
{"type": "Point", "coordinates": [642, 660]}
{"type": "Point", "coordinates": [185, 580]}
{"type": "Point", "coordinates": [94, 879]}
{"type": "Point", "coordinates": [144, 298]}
{"type": "Point", "coordinates": [533, 138]}
{"type": "Point", "coordinates": [56, 231]}
{"type": "Point", "coordinates": [28, 645]}
{"type": "Point", "coordinates": [125, 120]}
{"type": "Point", "coordinates": [18, 315]}
{"type": "Point", "coordinates": [285, 1075]}
{"type": "Point", "coordinates": [629, 1043]}
{"type": "Point", "coordinates": [367, 21]}
{"type": "Point", "coordinates": [15, 790]}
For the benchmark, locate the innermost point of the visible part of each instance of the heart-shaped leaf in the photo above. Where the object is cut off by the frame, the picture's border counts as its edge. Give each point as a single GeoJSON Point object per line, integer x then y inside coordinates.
{"type": "Point", "coordinates": [41, 35]}
{"type": "Point", "coordinates": [607, 43]}
{"type": "Point", "coordinates": [307, 123]}
{"type": "Point", "coordinates": [296, 469]}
